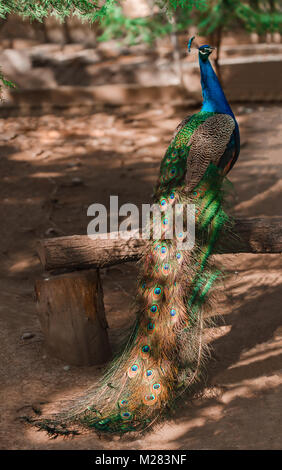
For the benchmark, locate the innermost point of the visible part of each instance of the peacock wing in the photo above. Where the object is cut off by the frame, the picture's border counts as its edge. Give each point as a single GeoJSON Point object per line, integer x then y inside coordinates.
{"type": "Point", "coordinates": [180, 126]}
{"type": "Point", "coordinates": [207, 144]}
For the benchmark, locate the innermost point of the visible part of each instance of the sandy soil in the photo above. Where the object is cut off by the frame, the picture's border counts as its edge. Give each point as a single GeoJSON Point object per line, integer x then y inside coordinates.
{"type": "Point", "coordinates": [52, 168]}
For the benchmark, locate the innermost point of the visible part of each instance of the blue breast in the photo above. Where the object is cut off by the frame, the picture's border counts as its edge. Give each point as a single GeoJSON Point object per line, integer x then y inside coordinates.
{"type": "Point", "coordinates": [214, 100]}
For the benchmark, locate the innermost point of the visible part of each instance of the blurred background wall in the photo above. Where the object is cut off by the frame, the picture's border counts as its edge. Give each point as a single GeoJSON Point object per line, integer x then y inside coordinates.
{"type": "Point", "coordinates": [137, 53]}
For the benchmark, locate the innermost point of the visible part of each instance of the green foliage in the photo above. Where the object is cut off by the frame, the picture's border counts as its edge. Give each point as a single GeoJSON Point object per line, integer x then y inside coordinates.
{"type": "Point", "coordinates": [89, 10]}
{"type": "Point", "coordinates": [253, 15]}
{"type": "Point", "coordinates": [116, 25]}
{"type": "Point", "coordinates": [209, 15]}
{"type": "Point", "coordinates": [174, 5]}
{"type": "Point", "coordinates": [177, 15]}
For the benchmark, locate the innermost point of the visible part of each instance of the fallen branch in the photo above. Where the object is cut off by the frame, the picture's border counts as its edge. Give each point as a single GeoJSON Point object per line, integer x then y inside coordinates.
{"type": "Point", "coordinates": [254, 235]}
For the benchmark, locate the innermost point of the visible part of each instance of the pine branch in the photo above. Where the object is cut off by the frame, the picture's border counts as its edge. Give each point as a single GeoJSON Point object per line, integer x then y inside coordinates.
{"type": "Point", "coordinates": [90, 10]}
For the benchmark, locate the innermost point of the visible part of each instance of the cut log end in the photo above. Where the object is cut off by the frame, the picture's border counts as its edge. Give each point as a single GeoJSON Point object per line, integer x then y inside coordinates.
{"type": "Point", "coordinates": [72, 317]}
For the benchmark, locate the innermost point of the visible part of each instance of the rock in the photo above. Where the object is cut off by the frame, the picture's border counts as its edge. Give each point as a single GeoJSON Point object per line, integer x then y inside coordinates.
{"type": "Point", "coordinates": [66, 368]}
{"type": "Point", "coordinates": [27, 335]}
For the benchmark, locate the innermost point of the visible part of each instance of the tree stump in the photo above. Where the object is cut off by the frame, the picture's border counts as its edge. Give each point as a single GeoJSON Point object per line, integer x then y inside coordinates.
{"type": "Point", "coordinates": [72, 316]}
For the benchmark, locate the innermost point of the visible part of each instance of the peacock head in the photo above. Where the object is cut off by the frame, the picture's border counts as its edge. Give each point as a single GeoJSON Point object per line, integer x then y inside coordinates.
{"type": "Point", "coordinates": [204, 51]}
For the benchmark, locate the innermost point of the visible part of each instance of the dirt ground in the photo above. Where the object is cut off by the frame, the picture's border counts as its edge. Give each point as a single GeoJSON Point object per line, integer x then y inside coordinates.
{"type": "Point", "coordinates": [52, 168]}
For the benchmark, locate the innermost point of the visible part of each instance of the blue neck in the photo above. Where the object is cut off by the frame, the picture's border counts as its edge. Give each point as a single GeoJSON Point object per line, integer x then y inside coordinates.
{"type": "Point", "coordinates": [214, 99]}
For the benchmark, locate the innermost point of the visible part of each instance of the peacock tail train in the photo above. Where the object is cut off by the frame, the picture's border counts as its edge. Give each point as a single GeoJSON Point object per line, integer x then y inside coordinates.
{"type": "Point", "coordinates": [165, 352]}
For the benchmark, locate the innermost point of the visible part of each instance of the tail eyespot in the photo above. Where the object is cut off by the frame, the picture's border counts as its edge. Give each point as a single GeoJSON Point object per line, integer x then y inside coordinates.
{"type": "Point", "coordinates": [166, 269]}
{"type": "Point", "coordinates": [123, 403]}
{"type": "Point", "coordinates": [196, 194]}
{"type": "Point", "coordinates": [154, 309]}
{"type": "Point", "coordinates": [157, 293]}
{"type": "Point", "coordinates": [148, 375]}
{"type": "Point", "coordinates": [126, 415]}
{"type": "Point", "coordinates": [145, 351]}
{"type": "Point", "coordinates": [156, 388]}
{"type": "Point", "coordinates": [150, 399]}
{"type": "Point", "coordinates": [179, 256]}
{"type": "Point", "coordinates": [163, 204]}
{"type": "Point", "coordinates": [133, 371]}
{"type": "Point", "coordinates": [172, 312]}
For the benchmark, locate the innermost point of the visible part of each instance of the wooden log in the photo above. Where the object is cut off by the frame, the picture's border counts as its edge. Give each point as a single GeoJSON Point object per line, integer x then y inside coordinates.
{"type": "Point", "coordinates": [72, 316]}
{"type": "Point", "coordinates": [253, 235]}
{"type": "Point", "coordinates": [81, 252]}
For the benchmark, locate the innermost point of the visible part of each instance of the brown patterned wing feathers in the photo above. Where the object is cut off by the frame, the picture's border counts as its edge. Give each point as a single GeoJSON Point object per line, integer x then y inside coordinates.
{"type": "Point", "coordinates": [207, 144]}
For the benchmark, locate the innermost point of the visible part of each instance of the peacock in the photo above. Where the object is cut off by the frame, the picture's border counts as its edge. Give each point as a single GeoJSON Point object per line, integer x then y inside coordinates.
{"type": "Point", "coordinates": [165, 351]}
